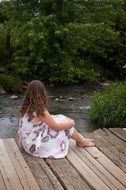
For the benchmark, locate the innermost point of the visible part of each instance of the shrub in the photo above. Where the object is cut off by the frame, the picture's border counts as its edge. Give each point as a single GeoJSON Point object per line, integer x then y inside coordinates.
{"type": "Point", "coordinates": [108, 108]}
{"type": "Point", "coordinates": [11, 83]}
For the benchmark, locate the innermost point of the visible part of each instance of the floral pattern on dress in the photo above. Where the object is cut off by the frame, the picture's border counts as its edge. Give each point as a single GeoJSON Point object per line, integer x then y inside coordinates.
{"type": "Point", "coordinates": [38, 131]}
{"type": "Point", "coordinates": [53, 134]}
{"type": "Point", "coordinates": [63, 145]}
{"type": "Point", "coordinates": [43, 130]}
{"type": "Point", "coordinates": [67, 133]}
{"type": "Point", "coordinates": [28, 133]}
{"type": "Point", "coordinates": [45, 139]}
{"type": "Point", "coordinates": [32, 148]}
{"type": "Point", "coordinates": [41, 141]}
{"type": "Point", "coordinates": [37, 124]}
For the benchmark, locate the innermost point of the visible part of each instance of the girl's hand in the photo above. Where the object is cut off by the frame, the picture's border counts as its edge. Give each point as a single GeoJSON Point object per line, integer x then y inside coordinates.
{"type": "Point", "coordinates": [63, 125]}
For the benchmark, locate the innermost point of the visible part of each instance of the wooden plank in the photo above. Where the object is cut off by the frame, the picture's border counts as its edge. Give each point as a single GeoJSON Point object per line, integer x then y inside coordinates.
{"type": "Point", "coordinates": [67, 175]}
{"type": "Point", "coordinates": [2, 184]}
{"type": "Point", "coordinates": [44, 176]}
{"type": "Point", "coordinates": [86, 172]}
{"type": "Point", "coordinates": [108, 164]}
{"type": "Point", "coordinates": [97, 167]}
{"type": "Point", "coordinates": [109, 149]}
{"type": "Point", "coordinates": [7, 169]}
{"type": "Point", "coordinates": [119, 132]}
{"type": "Point", "coordinates": [24, 173]}
{"type": "Point", "coordinates": [112, 146]}
{"type": "Point", "coordinates": [118, 143]}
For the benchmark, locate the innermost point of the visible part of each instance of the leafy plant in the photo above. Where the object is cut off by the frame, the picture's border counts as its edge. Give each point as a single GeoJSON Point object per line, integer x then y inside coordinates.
{"type": "Point", "coordinates": [63, 41]}
{"type": "Point", "coordinates": [108, 108]}
{"type": "Point", "coordinates": [11, 83]}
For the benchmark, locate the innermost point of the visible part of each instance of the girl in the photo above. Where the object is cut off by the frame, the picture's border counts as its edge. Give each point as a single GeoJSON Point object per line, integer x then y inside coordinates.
{"type": "Point", "coordinates": [44, 135]}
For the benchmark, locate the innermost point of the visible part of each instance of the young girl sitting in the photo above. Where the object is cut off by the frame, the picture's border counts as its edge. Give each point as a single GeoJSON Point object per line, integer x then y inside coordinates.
{"type": "Point", "coordinates": [44, 135]}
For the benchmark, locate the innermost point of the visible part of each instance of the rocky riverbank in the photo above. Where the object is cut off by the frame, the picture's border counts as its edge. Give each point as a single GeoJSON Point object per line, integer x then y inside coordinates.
{"type": "Point", "coordinates": [73, 101]}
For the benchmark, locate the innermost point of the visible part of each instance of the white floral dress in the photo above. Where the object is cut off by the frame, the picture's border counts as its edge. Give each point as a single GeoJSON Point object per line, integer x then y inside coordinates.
{"type": "Point", "coordinates": [40, 140]}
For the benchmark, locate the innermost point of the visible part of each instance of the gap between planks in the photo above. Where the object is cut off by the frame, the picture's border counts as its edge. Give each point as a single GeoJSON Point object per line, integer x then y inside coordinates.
{"type": "Point", "coordinates": [97, 167]}
{"type": "Point", "coordinates": [15, 170]}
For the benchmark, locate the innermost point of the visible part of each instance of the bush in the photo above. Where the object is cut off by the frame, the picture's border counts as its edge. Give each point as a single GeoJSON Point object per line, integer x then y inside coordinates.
{"type": "Point", "coordinates": [11, 83]}
{"type": "Point", "coordinates": [108, 108]}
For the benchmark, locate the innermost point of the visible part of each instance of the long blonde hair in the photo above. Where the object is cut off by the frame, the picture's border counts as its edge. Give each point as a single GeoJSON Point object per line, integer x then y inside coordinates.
{"type": "Point", "coordinates": [35, 99]}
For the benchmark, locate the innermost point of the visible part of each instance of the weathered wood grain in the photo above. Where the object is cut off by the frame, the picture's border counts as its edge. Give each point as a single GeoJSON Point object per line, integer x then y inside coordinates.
{"type": "Point", "coordinates": [100, 171]}
{"type": "Point", "coordinates": [114, 140]}
{"type": "Point", "coordinates": [67, 175]}
{"type": "Point", "coordinates": [22, 170]}
{"type": "Point", "coordinates": [2, 184]}
{"type": "Point", "coordinates": [116, 152]}
{"type": "Point", "coordinates": [112, 147]}
{"type": "Point", "coordinates": [86, 172]}
{"type": "Point", "coordinates": [87, 168]}
{"type": "Point", "coordinates": [119, 132]}
{"type": "Point", "coordinates": [8, 171]}
{"type": "Point", "coordinates": [44, 176]}
{"type": "Point", "coordinates": [108, 164]}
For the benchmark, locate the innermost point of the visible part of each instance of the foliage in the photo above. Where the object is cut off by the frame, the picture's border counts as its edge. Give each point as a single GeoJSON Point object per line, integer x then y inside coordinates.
{"type": "Point", "coordinates": [64, 41]}
{"type": "Point", "coordinates": [108, 108]}
{"type": "Point", "coordinates": [11, 83]}
{"type": "Point", "coordinates": [3, 51]}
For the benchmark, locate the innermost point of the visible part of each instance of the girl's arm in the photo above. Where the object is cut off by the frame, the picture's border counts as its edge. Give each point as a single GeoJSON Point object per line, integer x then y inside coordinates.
{"type": "Point", "coordinates": [48, 119]}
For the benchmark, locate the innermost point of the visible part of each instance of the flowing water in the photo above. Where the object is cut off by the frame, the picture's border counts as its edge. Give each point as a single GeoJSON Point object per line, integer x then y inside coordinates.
{"type": "Point", "coordinates": [72, 101]}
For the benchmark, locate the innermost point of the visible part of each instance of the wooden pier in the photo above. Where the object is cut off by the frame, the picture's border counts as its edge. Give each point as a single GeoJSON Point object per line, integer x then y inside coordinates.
{"type": "Point", "coordinates": [101, 168]}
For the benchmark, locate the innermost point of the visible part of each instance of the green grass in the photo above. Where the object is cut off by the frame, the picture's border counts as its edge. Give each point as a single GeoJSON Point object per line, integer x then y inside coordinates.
{"type": "Point", "coordinates": [108, 108]}
{"type": "Point", "coordinates": [11, 83]}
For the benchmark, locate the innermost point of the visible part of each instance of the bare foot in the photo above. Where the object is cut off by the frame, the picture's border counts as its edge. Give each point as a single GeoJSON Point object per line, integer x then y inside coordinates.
{"type": "Point", "coordinates": [85, 142]}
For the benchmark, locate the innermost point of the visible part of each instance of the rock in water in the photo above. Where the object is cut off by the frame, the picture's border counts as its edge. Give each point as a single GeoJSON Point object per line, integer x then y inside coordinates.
{"type": "Point", "coordinates": [13, 97]}
{"type": "Point", "coordinates": [71, 99]}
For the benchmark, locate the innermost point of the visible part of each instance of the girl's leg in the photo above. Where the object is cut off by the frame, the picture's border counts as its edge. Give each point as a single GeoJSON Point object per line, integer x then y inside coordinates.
{"type": "Point", "coordinates": [82, 141]}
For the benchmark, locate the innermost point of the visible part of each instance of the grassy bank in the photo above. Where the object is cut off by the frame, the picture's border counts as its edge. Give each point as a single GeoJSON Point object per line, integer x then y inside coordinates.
{"type": "Point", "coordinates": [108, 108]}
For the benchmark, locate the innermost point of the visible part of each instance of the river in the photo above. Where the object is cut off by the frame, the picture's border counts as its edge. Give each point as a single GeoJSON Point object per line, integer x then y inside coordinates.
{"type": "Point", "coordinates": [72, 101]}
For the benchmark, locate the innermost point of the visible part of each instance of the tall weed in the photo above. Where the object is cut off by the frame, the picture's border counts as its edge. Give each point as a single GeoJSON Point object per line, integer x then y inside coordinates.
{"type": "Point", "coordinates": [108, 108]}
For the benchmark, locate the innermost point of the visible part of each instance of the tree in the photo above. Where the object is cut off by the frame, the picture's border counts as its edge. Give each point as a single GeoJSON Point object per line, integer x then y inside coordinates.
{"type": "Point", "coordinates": [84, 40]}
